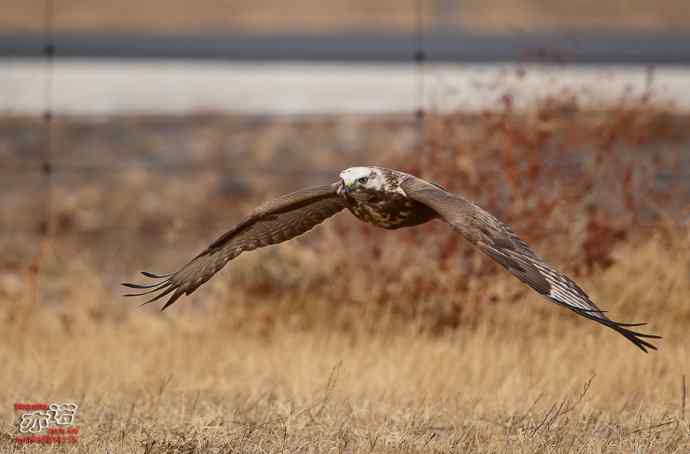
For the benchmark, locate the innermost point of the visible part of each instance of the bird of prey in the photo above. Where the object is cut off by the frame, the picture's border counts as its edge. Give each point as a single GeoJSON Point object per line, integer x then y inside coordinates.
{"type": "Point", "coordinates": [389, 199]}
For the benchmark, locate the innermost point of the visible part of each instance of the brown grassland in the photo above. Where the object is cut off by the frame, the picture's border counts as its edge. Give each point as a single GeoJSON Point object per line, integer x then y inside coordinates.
{"type": "Point", "coordinates": [265, 16]}
{"type": "Point", "coordinates": [349, 339]}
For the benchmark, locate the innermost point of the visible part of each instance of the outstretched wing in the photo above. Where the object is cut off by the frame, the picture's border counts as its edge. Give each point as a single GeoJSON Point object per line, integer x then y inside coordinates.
{"type": "Point", "coordinates": [498, 241]}
{"type": "Point", "coordinates": [276, 221]}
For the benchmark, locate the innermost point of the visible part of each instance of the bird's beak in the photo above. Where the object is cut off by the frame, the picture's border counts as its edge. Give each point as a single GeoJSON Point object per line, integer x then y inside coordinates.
{"type": "Point", "coordinates": [342, 187]}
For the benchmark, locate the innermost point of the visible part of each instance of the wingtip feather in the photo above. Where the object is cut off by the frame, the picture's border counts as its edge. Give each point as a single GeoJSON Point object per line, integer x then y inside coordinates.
{"type": "Point", "coordinates": [172, 299]}
{"type": "Point", "coordinates": [155, 276]}
{"type": "Point", "coordinates": [140, 286]}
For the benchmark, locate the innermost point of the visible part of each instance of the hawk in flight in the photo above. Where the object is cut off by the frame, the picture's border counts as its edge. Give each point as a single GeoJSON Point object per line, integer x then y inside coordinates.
{"type": "Point", "coordinates": [389, 199]}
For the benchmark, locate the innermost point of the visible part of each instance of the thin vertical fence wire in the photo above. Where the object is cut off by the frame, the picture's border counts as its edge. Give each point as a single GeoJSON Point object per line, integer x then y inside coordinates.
{"type": "Point", "coordinates": [420, 58]}
{"type": "Point", "coordinates": [48, 167]}
{"type": "Point", "coordinates": [47, 224]}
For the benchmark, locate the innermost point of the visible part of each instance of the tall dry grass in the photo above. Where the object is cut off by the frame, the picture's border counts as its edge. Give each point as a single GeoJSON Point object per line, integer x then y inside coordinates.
{"type": "Point", "coordinates": [359, 340]}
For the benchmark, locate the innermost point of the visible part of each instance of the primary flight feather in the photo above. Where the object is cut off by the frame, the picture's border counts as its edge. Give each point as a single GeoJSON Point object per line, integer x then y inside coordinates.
{"type": "Point", "coordinates": [389, 199]}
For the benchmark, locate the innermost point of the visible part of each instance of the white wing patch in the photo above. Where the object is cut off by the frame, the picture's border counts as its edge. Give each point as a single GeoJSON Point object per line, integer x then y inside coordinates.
{"type": "Point", "coordinates": [565, 290]}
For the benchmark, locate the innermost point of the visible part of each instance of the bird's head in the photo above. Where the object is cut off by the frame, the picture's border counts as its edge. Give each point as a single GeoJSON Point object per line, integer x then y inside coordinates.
{"type": "Point", "coordinates": [362, 179]}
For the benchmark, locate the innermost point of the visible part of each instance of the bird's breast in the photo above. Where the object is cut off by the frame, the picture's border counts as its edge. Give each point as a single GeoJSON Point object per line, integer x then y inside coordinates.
{"type": "Point", "coordinates": [390, 211]}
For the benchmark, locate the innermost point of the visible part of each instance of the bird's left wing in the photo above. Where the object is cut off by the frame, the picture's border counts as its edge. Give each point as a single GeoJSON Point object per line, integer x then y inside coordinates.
{"type": "Point", "coordinates": [498, 241]}
{"type": "Point", "coordinates": [276, 221]}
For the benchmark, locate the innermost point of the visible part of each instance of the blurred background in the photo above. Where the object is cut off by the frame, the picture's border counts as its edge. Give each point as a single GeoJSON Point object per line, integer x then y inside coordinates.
{"type": "Point", "coordinates": [132, 134]}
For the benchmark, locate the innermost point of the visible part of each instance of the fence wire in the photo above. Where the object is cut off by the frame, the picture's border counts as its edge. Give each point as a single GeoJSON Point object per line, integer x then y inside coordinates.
{"type": "Point", "coordinates": [51, 165]}
{"type": "Point", "coordinates": [46, 225]}
{"type": "Point", "coordinates": [53, 162]}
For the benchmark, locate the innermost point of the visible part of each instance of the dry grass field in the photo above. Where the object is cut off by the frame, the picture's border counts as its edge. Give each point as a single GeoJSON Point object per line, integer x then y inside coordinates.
{"type": "Point", "coordinates": [349, 339]}
{"type": "Point", "coordinates": [315, 16]}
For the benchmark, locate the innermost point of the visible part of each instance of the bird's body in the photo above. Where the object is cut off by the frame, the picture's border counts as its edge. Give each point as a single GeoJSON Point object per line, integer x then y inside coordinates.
{"type": "Point", "coordinates": [389, 199]}
{"type": "Point", "coordinates": [392, 211]}
{"type": "Point", "coordinates": [382, 205]}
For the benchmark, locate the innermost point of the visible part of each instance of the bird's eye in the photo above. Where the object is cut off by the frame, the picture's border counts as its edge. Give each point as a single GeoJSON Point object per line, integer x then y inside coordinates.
{"type": "Point", "coordinates": [362, 180]}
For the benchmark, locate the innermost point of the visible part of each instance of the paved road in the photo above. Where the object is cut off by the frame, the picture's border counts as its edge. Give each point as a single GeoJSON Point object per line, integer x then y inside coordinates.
{"type": "Point", "coordinates": [438, 45]}
{"type": "Point", "coordinates": [179, 87]}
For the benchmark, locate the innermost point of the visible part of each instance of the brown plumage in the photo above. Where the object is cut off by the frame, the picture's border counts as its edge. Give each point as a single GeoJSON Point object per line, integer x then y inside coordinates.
{"type": "Point", "coordinates": [276, 221]}
{"type": "Point", "coordinates": [388, 199]}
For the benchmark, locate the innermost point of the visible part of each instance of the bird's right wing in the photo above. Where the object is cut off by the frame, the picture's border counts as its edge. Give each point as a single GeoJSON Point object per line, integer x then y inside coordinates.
{"type": "Point", "coordinates": [498, 241]}
{"type": "Point", "coordinates": [276, 221]}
